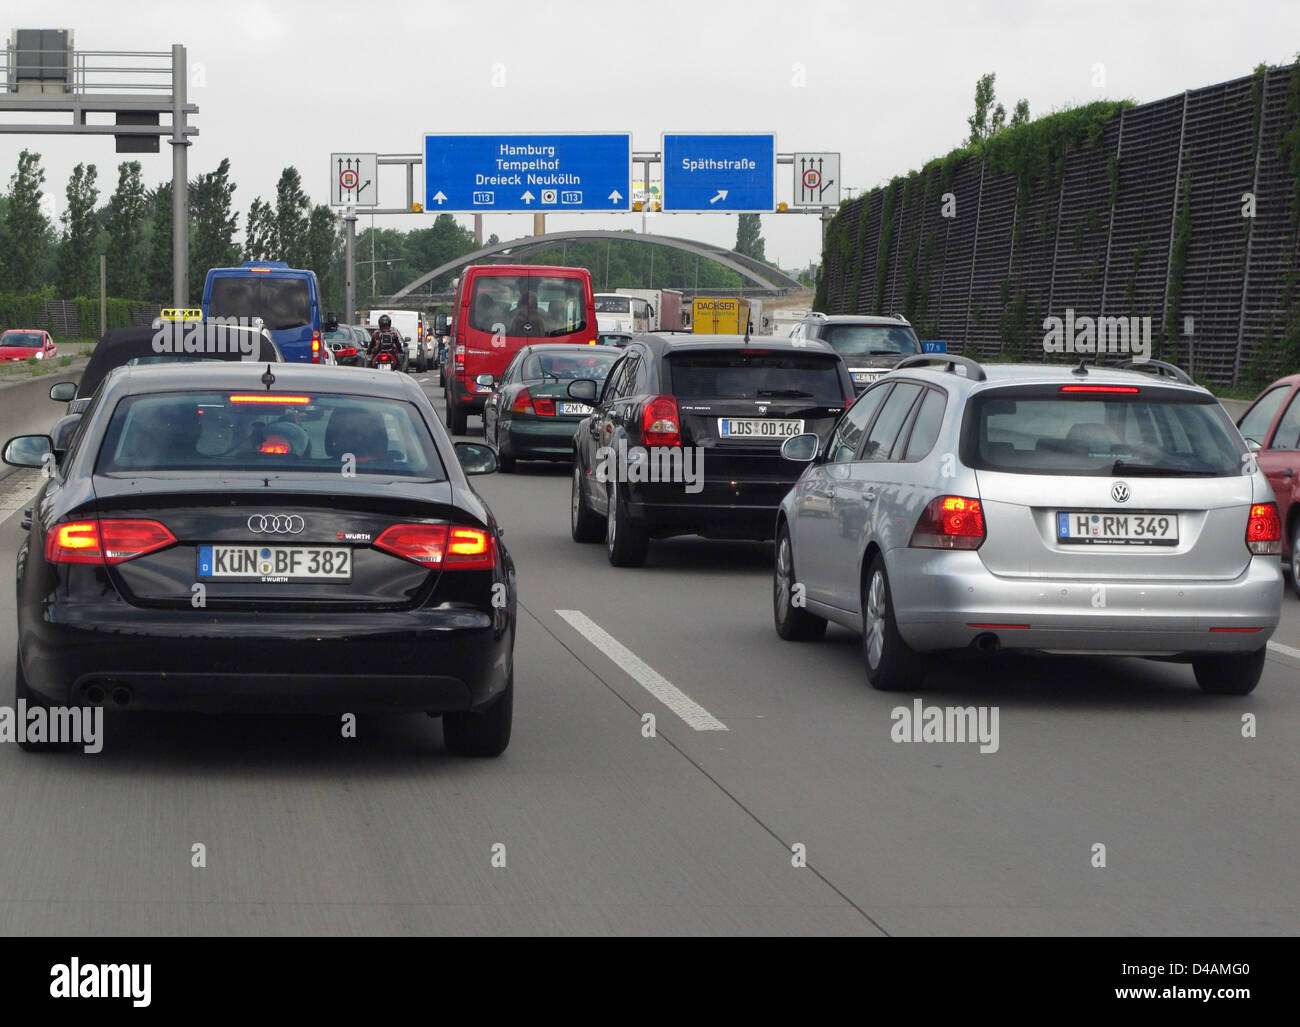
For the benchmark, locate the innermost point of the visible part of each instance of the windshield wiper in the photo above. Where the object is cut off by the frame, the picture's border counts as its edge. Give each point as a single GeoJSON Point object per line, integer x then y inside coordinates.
{"type": "Point", "coordinates": [792, 393]}
{"type": "Point", "coordinates": [1120, 467]}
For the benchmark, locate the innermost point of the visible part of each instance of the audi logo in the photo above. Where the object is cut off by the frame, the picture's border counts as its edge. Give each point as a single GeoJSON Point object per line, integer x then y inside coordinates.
{"type": "Point", "coordinates": [1119, 492]}
{"type": "Point", "coordinates": [276, 524]}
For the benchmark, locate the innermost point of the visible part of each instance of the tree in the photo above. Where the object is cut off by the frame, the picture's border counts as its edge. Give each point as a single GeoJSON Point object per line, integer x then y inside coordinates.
{"type": "Point", "coordinates": [321, 246]}
{"type": "Point", "coordinates": [990, 117]}
{"type": "Point", "coordinates": [427, 248]}
{"type": "Point", "coordinates": [292, 214]}
{"type": "Point", "coordinates": [1021, 114]}
{"type": "Point", "coordinates": [126, 224]}
{"type": "Point", "coordinates": [212, 238]}
{"type": "Point", "coordinates": [749, 237]}
{"type": "Point", "coordinates": [493, 239]}
{"type": "Point", "coordinates": [77, 271]}
{"type": "Point", "coordinates": [27, 230]}
{"type": "Point", "coordinates": [158, 277]}
{"type": "Point", "coordinates": [259, 238]}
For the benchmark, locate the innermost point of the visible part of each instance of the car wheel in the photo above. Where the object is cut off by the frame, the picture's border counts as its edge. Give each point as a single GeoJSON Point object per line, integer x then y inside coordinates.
{"type": "Point", "coordinates": [793, 623]}
{"type": "Point", "coordinates": [485, 733]}
{"type": "Point", "coordinates": [456, 417]}
{"type": "Point", "coordinates": [584, 523]}
{"type": "Point", "coordinates": [891, 664]}
{"type": "Point", "coordinates": [1295, 556]}
{"type": "Point", "coordinates": [627, 542]}
{"type": "Point", "coordinates": [23, 694]}
{"type": "Point", "coordinates": [1229, 673]}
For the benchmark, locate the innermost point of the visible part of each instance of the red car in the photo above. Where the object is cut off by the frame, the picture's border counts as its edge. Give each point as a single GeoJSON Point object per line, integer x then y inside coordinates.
{"type": "Point", "coordinates": [1273, 424]}
{"type": "Point", "coordinates": [24, 343]}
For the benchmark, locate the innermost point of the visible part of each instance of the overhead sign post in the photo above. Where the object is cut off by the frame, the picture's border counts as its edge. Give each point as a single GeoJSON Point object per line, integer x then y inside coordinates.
{"type": "Point", "coordinates": [354, 179]}
{"type": "Point", "coordinates": [816, 180]}
{"type": "Point", "coordinates": [734, 173]}
{"type": "Point", "coordinates": [487, 173]}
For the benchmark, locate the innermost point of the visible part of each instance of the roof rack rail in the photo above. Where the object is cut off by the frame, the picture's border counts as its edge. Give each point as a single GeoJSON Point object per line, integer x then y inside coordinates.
{"type": "Point", "coordinates": [900, 317]}
{"type": "Point", "coordinates": [1165, 369]}
{"type": "Point", "coordinates": [974, 369]}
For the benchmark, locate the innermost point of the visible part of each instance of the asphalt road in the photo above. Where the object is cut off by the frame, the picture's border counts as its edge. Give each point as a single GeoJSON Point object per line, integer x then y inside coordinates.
{"type": "Point", "coordinates": [764, 751]}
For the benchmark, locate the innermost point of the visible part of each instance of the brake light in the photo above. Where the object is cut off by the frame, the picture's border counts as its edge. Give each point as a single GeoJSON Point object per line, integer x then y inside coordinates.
{"type": "Point", "coordinates": [1264, 530]}
{"type": "Point", "coordinates": [950, 522]}
{"type": "Point", "coordinates": [848, 401]}
{"type": "Point", "coordinates": [440, 546]}
{"type": "Point", "coordinates": [660, 423]}
{"type": "Point", "coordinates": [1127, 389]}
{"type": "Point", "coordinates": [105, 541]}
{"type": "Point", "coordinates": [276, 445]}
{"type": "Point", "coordinates": [523, 403]}
{"type": "Point", "coordinates": [460, 354]}
{"type": "Point", "coordinates": [269, 397]}
{"type": "Point", "coordinates": [260, 270]}
{"type": "Point", "coordinates": [315, 347]}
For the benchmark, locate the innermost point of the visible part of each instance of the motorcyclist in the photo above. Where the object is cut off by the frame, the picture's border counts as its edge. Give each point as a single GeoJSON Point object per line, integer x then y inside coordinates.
{"type": "Point", "coordinates": [386, 339]}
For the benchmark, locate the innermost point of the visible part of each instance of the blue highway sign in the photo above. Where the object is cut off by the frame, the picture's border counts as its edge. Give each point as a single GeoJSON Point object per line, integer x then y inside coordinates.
{"type": "Point", "coordinates": [483, 173]}
{"type": "Point", "coordinates": [720, 172]}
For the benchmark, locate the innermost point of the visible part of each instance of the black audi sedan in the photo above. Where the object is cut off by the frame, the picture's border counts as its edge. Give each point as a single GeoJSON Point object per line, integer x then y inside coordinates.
{"type": "Point", "coordinates": [228, 537]}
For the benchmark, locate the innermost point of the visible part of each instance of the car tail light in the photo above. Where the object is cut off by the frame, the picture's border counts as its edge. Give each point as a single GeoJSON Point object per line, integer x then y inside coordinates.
{"type": "Point", "coordinates": [523, 403]}
{"type": "Point", "coordinates": [460, 354]}
{"type": "Point", "coordinates": [1126, 389]}
{"type": "Point", "coordinates": [315, 347]}
{"type": "Point", "coordinates": [105, 541]}
{"type": "Point", "coordinates": [950, 522]}
{"type": "Point", "coordinates": [848, 401]}
{"type": "Point", "coordinates": [442, 546]}
{"type": "Point", "coordinates": [1264, 530]}
{"type": "Point", "coordinates": [660, 423]}
{"type": "Point", "coordinates": [271, 398]}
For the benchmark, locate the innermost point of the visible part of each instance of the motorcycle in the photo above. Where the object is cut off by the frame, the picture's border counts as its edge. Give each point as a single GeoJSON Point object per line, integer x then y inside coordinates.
{"type": "Point", "coordinates": [383, 357]}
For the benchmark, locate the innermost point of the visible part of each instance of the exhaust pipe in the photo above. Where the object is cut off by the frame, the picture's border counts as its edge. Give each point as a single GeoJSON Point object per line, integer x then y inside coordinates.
{"type": "Point", "coordinates": [122, 696]}
{"type": "Point", "coordinates": [95, 695]}
{"type": "Point", "coordinates": [986, 643]}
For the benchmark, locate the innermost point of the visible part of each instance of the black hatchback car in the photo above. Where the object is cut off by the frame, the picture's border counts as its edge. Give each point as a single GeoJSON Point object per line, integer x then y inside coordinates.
{"type": "Point", "coordinates": [236, 537]}
{"type": "Point", "coordinates": [686, 436]}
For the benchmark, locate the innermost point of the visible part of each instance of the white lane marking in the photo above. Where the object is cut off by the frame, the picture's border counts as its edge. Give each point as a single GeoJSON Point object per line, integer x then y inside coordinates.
{"type": "Point", "coordinates": [17, 491]}
{"type": "Point", "coordinates": [692, 713]}
{"type": "Point", "coordinates": [1285, 650]}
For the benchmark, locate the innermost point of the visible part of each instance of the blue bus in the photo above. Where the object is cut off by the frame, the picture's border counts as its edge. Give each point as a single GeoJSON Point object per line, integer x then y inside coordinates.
{"type": "Point", "coordinates": [286, 299]}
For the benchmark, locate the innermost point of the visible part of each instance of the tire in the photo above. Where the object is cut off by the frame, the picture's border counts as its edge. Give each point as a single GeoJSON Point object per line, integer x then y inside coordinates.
{"type": "Point", "coordinates": [505, 461]}
{"type": "Point", "coordinates": [24, 694]}
{"type": "Point", "coordinates": [891, 664]}
{"type": "Point", "coordinates": [1295, 556]}
{"type": "Point", "coordinates": [485, 733]}
{"type": "Point", "coordinates": [793, 623]}
{"type": "Point", "coordinates": [456, 417]}
{"type": "Point", "coordinates": [442, 378]}
{"type": "Point", "coordinates": [1229, 673]}
{"type": "Point", "coordinates": [584, 523]}
{"type": "Point", "coordinates": [627, 543]}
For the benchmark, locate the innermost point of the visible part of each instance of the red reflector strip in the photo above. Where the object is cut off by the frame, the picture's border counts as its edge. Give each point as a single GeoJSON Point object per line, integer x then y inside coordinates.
{"type": "Point", "coordinates": [1236, 631]}
{"type": "Point", "coordinates": [1001, 627]}
{"type": "Point", "coordinates": [1127, 389]}
{"type": "Point", "coordinates": [270, 397]}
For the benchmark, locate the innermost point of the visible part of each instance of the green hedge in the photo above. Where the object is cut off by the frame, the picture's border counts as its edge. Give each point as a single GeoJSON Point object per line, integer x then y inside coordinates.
{"type": "Point", "coordinates": [27, 311]}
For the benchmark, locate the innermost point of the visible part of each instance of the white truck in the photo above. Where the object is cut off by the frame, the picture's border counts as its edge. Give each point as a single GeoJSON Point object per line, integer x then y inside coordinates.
{"type": "Point", "coordinates": [618, 313]}
{"type": "Point", "coordinates": [785, 318]}
{"type": "Point", "coordinates": [665, 307]}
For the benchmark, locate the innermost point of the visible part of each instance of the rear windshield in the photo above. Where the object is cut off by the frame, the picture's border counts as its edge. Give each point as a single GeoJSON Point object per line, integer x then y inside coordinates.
{"type": "Point", "coordinates": [613, 305]}
{"type": "Point", "coordinates": [224, 431]}
{"type": "Point", "coordinates": [24, 339]}
{"type": "Point", "coordinates": [579, 362]}
{"type": "Point", "coordinates": [869, 340]}
{"type": "Point", "coordinates": [1154, 432]}
{"type": "Point", "coordinates": [735, 375]}
{"type": "Point", "coordinates": [281, 302]}
{"type": "Point", "coordinates": [521, 306]}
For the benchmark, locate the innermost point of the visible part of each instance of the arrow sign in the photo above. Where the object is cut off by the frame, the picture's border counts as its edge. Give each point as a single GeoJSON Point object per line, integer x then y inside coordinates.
{"type": "Point", "coordinates": [353, 174]}
{"type": "Point", "coordinates": [615, 196]}
{"type": "Point", "coordinates": [528, 197]}
{"type": "Point", "coordinates": [722, 195]}
{"type": "Point", "coordinates": [715, 172]}
{"type": "Point", "coordinates": [439, 197]}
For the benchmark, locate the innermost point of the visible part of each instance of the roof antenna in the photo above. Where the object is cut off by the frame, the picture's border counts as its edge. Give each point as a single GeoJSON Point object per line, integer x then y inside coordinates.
{"type": "Point", "coordinates": [268, 379]}
{"type": "Point", "coordinates": [1082, 369]}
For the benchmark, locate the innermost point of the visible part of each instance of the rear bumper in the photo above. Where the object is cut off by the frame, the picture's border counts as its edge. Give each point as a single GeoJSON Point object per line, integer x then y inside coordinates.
{"type": "Point", "coordinates": [551, 438]}
{"type": "Point", "coordinates": [436, 661]}
{"type": "Point", "coordinates": [720, 509]}
{"type": "Point", "coordinates": [939, 594]}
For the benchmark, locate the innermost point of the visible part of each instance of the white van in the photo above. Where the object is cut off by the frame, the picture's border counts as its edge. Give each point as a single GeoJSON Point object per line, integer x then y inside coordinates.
{"type": "Point", "coordinates": [409, 324]}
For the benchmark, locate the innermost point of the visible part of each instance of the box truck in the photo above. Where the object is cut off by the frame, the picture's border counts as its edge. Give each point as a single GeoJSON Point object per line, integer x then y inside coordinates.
{"type": "Point", "coordinates": [665, 307]}
{"type": "Point", "coordinates": [719, 315]}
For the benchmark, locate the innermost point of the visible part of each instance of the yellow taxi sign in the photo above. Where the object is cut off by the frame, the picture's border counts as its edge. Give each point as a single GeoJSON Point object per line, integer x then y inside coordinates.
{"type": "Point", "coordinates": [181, 314]}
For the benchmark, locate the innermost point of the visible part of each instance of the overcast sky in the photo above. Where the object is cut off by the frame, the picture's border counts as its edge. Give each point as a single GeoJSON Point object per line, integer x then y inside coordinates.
{"type": "Point", "coordinates": [889, 85]}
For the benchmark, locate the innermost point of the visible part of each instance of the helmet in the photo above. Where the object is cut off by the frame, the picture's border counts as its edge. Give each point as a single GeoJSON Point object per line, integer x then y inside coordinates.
{"type": "Point", "coordinates": [385, 323]}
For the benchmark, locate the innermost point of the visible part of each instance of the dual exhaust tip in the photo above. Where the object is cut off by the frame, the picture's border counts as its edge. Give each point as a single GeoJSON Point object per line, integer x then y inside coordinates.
{"type": "Point", "coordinates": [105, 694]}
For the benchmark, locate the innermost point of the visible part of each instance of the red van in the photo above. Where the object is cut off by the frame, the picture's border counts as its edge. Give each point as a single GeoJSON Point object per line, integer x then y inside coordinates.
{"type": "Point", "coordinates": [501, 307]}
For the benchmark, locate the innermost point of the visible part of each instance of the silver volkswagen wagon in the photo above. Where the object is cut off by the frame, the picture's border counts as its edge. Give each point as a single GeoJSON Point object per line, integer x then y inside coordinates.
{"type": "Point", "coordinates": [1030, 507]}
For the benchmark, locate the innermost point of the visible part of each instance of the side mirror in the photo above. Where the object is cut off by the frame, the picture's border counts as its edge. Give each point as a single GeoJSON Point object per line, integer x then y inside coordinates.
{"type": "Point", "coordinates": [584, 389]}
{"type": "Point", "coordinates": [331, 322]}
{"type": "Point", "coordinates": [1255, 446]}
{"type": "Point", "coordinates": [476, 458]}
{"type": "Point", "coordinates": [487, 381]}
{"type": "Point", "coordinates": [61, 433]}
{"type": "Point", "coordinates": [63, 392]}
{"type": "Point", "coordinates": [440, 324]}
{"type": "Point", "coordinates": [801, 448]}
{"type": "Point", "coordinates": [28, 450]}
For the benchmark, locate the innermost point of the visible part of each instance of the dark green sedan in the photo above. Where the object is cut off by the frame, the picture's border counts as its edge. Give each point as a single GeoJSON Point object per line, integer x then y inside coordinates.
{"type": "Point", "coordinates": [530, 415]}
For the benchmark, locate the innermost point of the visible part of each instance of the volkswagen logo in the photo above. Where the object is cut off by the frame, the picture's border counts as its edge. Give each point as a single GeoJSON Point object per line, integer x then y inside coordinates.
{"type": "Point", "coordinates": [276, 524]}
{"type": "Point", "coordinates": [1119, 492]}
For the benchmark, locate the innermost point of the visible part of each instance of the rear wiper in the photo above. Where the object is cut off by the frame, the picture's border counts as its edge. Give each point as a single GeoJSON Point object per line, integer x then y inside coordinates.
{"type": "Point", "coordinates": [792, 393]}
{"type": "Point", "coordinates": [1120, 467]}
{"type": "Point", "coordinates": [885, 353]}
